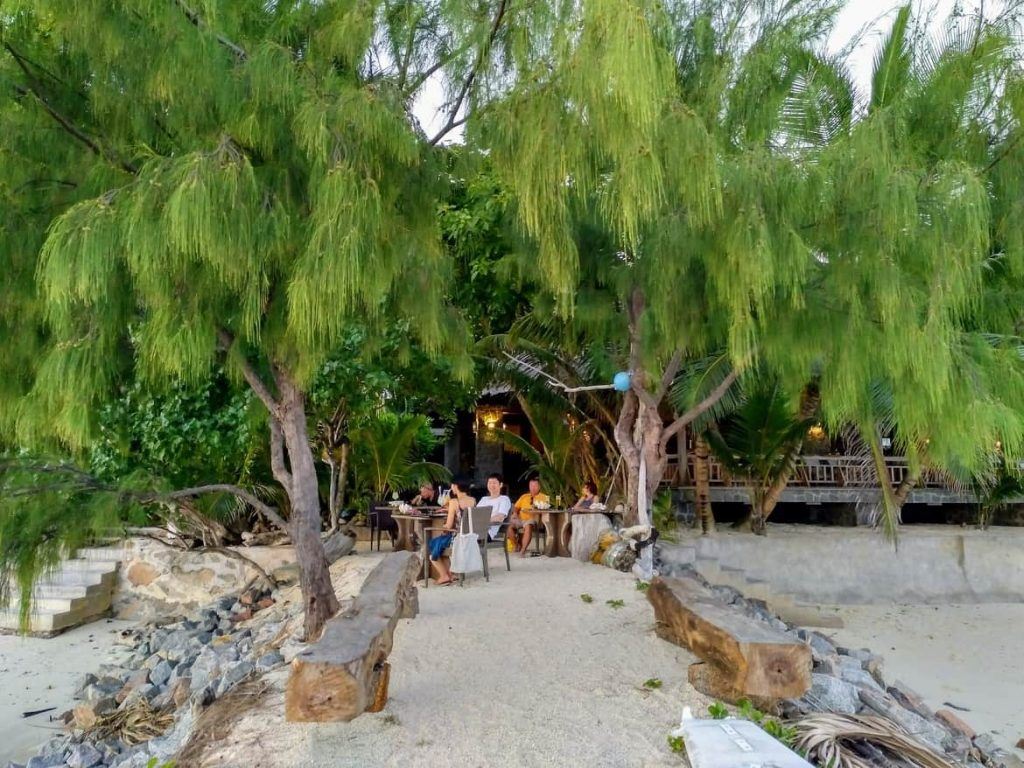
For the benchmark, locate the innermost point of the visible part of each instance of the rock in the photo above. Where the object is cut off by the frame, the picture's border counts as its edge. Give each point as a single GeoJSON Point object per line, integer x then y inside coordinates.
{"type": "Point", "coordinates": [152, 662]}
{"type": "Point", "coordinates": [923, 730]}
{"type": "Point", "coordinates": [171, 743]}
{"type": "Point", "coordinates": [859, 677]}
{"type": "Point", "coordinates": [243, 615]}
{"type": "Point", "coordinates": [57, 746]}
{"type": "Point", "coordinates": [45, 761]}
{"type": "Point", "coordinates": [237, 607]}
{"type": "Point", "coordinates": [268, 661]}
{"type": "Point", "coordinates": [265, 603]}
{"type": "Point", "coordinates": [996, 756]}
{"type": "Point", "coordinates": [233, 675]}
{"type": "Point", "coordinates": [204, 669]}
{"type": "Point", "coordinates": [85, 715]}
{"type": "Point", "coordinates": [1020, 743]}
{"type": "Point", "coordinates": [142, 574]}
{"type": "Point", "coordinates": [161, 673]}
{"type": "Point", "coordinates": [179, 691]}
{"type": "Point", "coordinates": [821, 647]}
{"type": "Point", "coordinates": [830, 694]}
{"type": "Point", "coordinates": [89, 679]}
{"type": "Point", "coordinates": [84, 756]}
{"type": "Point", "coordinates": [101, 689]}
{"type": "Point", "coordinates": [229, 652]}
{"type": "Point", "coordinates": [955, 724]}
{"type": "Point", "coordinates": [15, 765]}
{"type": "Point", "coordinates": [135, 757]}
{"type": "Point", "coordinates": [225, 624]}
{"type": "Point", "coordinates": [147, 691]}
{"type": "Point", "coordinates": [137, 679]}
{"type": "Point", "coordinates": [247, 598]}
{"type": "Point", "coordinates": [726, 594]}
{"type": "Point", "coordinates": [910, 699]}
{"type": "Point", "coordinates": [204, 696]}
{"type": "Point", "coordinates": [110, 748]}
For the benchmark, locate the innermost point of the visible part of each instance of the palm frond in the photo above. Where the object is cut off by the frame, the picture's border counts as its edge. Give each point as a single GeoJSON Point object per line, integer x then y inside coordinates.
{"type": "Point", "coordinates": [833, 740]}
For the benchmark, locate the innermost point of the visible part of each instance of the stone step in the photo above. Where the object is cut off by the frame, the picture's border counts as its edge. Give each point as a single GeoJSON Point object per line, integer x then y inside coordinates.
{"type": "Point", "coordinates": [78, 578]}
{"type": "Point", "coordinates": [811, 616]}
{"type": "Point", "coordinates": [708, 568]}
{"type": "Point", "coordinates": [732, 577]}
{"type": "Point", "coordinates": [115, 554]}
{"type": "Point", "coordinates": [99, 601]}
{"type": "Point", "coordinates": [678, 554]}
{"type": "Point", "coordinates": [47, 624]}
{"type": "Point", "coordinates": [76, 565]}
{"type": "Point", "coordinates": [758, 589]}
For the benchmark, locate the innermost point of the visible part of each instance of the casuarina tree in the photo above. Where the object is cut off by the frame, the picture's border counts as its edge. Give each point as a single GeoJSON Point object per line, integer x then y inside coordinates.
{"type": "Point", "coordinates": [193, 183]}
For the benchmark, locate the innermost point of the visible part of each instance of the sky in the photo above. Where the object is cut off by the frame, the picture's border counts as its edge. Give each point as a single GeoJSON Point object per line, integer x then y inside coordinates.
{"type": "Point", "coordinates": [868, 20]}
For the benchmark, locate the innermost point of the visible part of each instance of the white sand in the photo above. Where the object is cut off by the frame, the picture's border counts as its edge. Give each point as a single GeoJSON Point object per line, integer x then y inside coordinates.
{"type": "Point", "coordinates": [36, 673]}
{"type": "Point", "coordinates": [967, 655]}
{"type": "Point", "coordinates": [517, 672]}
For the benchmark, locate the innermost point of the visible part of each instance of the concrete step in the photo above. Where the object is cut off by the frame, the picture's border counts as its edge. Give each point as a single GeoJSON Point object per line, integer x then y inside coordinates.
{"type": "Point", "coordinates": [115, 554]}
{"type": "Point", "coordinates": [82, 565]}
{"type": "Point", "coordinates": [811, 616]}
{"type": "Point", "coordinates": [99, 600]}
{"type": "Point", "coordinates": [708, 568]}
{"type": "Point", "coordinates": [48, 623]}
{"type": "Point", "coordinates": [78, 578]}
{"type": "Point", "coordinates": [758, 589]}
{"type": "Point", "coordinates": [732, 577]}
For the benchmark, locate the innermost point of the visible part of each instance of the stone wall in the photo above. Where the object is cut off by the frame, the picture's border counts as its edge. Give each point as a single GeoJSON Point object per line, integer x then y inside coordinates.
{"type": "Point", "coordinates": [156, 578]}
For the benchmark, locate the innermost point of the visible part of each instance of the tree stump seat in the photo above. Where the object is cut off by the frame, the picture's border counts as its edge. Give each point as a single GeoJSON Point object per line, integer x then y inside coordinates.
{"type": "Point", "coordinates": [345, 672]}
{"type": "Point", "coordinates": [744, 657]}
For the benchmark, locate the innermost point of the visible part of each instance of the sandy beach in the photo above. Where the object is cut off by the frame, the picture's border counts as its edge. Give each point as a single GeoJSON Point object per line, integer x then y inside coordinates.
{"type": "Point", "coordinates": [36, 673]}
{"type": "Point", "coordinates": [964, 655]}
{"type": "Point", "coordinates": [517, 672]}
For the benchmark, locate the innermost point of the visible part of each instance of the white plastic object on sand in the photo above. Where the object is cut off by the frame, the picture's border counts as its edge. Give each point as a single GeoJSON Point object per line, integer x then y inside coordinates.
{"type": "Point", "coordinates": [733, 743]}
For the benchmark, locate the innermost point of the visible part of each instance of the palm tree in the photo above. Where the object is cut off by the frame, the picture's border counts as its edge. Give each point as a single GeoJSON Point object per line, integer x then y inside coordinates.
{"type": "Point", "coordinates": [385, 455]}
{"type": "Point", "coordinates": [760, 442]}
{"type": "Point", "coordinates": [566, 458]}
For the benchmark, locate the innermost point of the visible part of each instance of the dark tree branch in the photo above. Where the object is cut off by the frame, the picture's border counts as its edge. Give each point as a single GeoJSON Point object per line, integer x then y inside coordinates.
{"type": "Point", "coordinates": [456, 107]}
{"type": "Point", "coordinates": [198, 22]}
{"type": "Point", "coordinates": [704, 405]}
{"type": "Point", "coordinates": [260, 506]}
{"type": "Point", "coordinates": [669, 375]}
{"type": "Point", "coordinates": [277, 461]}
{"type": "Point", "coordinates": [35, 89]}
{"type": "Point", "coordinates": [250, 374]}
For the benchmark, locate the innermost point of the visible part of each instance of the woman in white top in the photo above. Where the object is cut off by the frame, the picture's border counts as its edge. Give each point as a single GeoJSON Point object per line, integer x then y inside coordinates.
{"type": "Point", "coordinates": [499, 503]}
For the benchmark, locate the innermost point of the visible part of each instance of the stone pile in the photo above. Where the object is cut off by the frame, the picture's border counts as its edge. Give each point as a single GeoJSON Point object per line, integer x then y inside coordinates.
{"type": "Point", "coordinates": [850, 681]}
{"type": "Point", "coordinates": [174, 670]}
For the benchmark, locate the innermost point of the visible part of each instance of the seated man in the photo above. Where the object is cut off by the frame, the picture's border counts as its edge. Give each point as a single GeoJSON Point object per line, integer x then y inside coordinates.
{"type": "Point", "coordinates": [523, 515]}
{"type": "Point", "coordinates": [427, 497]}
{"type": "Point", "coordinates": [499, 503]}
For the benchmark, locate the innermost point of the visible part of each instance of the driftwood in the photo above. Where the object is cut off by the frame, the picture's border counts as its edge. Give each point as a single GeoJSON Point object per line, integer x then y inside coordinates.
{"type": "Point", "coordinates": [345, 673]}
{"type": "Point", "coordinates": [744, 657]}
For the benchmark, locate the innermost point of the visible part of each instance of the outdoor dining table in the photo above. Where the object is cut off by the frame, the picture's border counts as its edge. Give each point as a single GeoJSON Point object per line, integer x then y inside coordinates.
{"type": "Point", "coordinates": [556, 526]}
{"type": "Point", "coordinates": [415, 522]}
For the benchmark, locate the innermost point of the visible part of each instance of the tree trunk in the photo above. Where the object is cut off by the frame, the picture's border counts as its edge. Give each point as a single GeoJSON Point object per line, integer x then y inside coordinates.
{"type": "Point", "coordinates": [300, 481]}
{"type": "Point", "coordinates": [702, 484]}
{"type": "Point", "coordinates": [810, 399]}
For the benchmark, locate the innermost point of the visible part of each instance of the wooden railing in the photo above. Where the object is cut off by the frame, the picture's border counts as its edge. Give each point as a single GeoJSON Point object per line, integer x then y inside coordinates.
{"type": "Point", "coordinates": [813, 472]}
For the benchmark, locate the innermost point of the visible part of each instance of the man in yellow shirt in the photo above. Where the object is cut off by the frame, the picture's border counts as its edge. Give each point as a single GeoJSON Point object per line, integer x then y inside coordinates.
{"type": "Point", "coordinates": [523, 515]}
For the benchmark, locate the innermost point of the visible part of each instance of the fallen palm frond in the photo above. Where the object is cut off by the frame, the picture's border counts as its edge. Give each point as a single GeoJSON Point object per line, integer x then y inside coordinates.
{"type": "Point", "coordinates": [833, 740]}
{"type": "Point", "coordinates": [136, 723]}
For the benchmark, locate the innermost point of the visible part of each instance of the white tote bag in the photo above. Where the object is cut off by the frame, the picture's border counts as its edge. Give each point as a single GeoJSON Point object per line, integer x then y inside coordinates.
{"type": "Point", "coordinates": [466, 550]}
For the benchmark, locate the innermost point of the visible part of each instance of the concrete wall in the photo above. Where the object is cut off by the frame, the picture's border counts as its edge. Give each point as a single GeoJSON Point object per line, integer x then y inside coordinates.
{"type": "Point", "coordinates": [933, 564]}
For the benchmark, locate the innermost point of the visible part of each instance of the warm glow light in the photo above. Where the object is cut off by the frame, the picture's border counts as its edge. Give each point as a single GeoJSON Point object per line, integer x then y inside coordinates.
{"type": "Point", "coordinates": [816, 432]}
{"type": "Point", "coordinates": [490, 416]}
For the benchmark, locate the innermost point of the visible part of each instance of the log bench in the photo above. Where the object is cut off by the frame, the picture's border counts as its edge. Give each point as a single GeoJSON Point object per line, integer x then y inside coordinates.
{"type": "Point", "coordinates": [345, 672]}
{"type": "Point", "coordinates": [743, 657]}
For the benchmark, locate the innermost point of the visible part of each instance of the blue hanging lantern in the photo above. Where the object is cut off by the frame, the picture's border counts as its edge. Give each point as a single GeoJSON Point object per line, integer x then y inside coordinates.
{"type": "Point", "coordinates": [621, 381]}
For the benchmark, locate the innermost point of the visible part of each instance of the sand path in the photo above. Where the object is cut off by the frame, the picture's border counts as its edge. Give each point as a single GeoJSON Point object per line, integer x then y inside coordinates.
{"type": "Point", "coordinates": [517, 672]}
{"type": "Point", "coordinates": [36, 673]}
{"type": "Point", "coordinates": [967, 655]}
